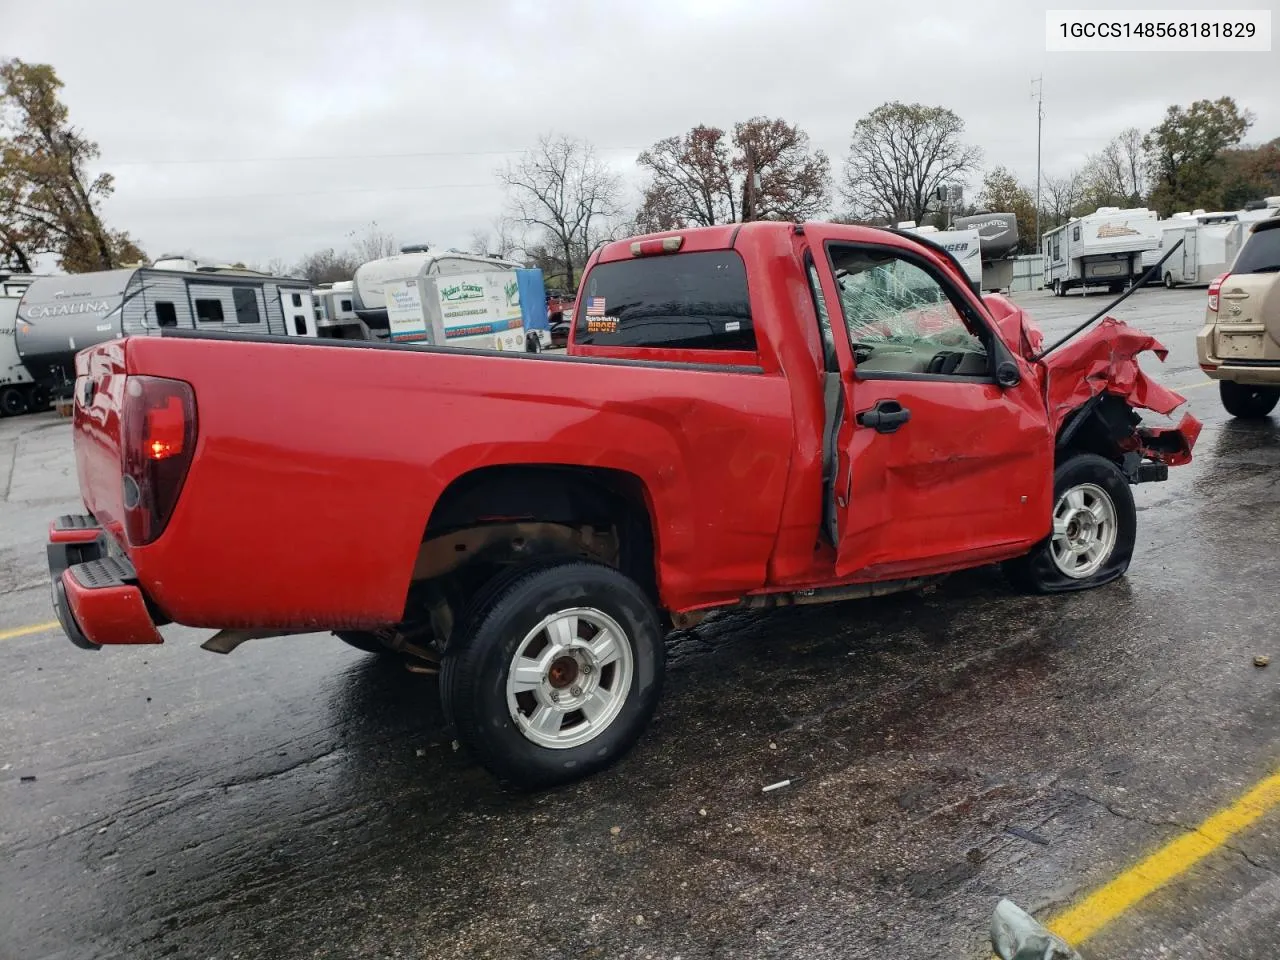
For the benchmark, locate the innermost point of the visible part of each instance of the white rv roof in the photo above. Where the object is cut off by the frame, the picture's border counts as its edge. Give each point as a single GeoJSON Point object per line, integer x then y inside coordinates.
{"type": "Point", "coordinates": [371, 279]}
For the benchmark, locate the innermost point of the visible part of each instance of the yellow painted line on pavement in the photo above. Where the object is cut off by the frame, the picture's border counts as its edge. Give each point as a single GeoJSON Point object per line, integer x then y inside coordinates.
{"type": "Point", "coordinates": [27, 631]}
{"type": "Point", "coordinates": [1192, 386]}
{"type": "Point", "coordinates": [1086, 918]}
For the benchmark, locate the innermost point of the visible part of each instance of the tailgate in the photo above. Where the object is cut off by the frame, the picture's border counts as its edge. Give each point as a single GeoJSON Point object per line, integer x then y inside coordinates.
{"type": "Point", "coordinates": [98, 397]}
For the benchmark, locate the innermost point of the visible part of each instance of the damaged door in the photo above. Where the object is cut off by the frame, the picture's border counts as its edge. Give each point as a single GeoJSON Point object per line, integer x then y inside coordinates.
{"type": "Point", "coordinates": [937, 464]}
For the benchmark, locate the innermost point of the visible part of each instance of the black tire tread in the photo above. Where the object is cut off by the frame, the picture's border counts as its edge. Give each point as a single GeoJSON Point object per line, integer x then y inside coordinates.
{"type": "Point", "coordinates": [460, 675]}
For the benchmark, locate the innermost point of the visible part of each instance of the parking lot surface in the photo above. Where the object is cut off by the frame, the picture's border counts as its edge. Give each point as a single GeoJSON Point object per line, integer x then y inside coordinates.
{"type": "Point", "coordinates": [300, 799]}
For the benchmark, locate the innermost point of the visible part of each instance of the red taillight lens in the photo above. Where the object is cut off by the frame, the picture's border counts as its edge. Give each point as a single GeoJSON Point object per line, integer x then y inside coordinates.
{"type": "Point", "coordinates": [1213, 291]}
{"type": "Point", "coordinates": [158, 423]}
{"type": "Point", "coordinates": [661, 245]}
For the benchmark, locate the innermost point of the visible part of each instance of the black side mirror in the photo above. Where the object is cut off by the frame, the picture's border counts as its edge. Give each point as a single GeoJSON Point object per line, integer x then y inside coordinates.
{"type": "Point", "coordinates": [1007, 374]}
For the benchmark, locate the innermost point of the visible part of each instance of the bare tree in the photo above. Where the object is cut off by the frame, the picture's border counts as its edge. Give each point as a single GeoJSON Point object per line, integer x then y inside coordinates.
{"type": "Point", "coordinates": [562, 190]}
{"type": "Point", "coordinates": [1062, 197]}
{"type": "Point", "coordinates": [701, 178]}
{"type": "Point", "coordinates": [1116, 175]}
{"type": "Point", "coordinates": [495, 242]}
{"type": "Point", "coordinates": [327, 266]}
{"type": "Point", "coordinates": [899, 155]}
{"type": "Point", "coordinates": [374, 244]}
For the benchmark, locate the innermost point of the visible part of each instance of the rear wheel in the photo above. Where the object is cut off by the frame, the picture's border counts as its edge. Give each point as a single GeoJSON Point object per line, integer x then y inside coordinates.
{"type": "Point", "coordinates": [12, 402]}
{"type": "Point", "coordinates": [1248, 402]}
{"type": "Point", "coordinates": [554, 674]}
{"type": "Point", "coordinates": [1168, 280]}
{"type": "Point", "coordinates": [1057, 288]}
{"type": "Point", "coordinates": [1095, 525]}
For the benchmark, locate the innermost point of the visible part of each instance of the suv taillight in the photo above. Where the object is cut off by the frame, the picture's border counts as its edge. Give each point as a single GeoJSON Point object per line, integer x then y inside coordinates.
{"type": "Point", "coordinates": [158, 427]}
{"type": "Point", "coordinates": [1213, 291]}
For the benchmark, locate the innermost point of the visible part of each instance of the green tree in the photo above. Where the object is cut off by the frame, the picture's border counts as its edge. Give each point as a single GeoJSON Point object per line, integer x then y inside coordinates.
{"type": "Point", "coordinates": [1184, 153]}
{"type": "Point", "coordinates": [1249, 173]}
{"type": "Point", "coordinates": [48, 201]}
{"type": "Point", "coordinates": [1002, 192]}
{"type": "Point", "coordinates": [900, 153]}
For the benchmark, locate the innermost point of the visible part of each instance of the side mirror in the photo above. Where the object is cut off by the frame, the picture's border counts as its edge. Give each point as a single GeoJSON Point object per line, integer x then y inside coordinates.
{"type": "Point", "coordinates": [1007, 374]}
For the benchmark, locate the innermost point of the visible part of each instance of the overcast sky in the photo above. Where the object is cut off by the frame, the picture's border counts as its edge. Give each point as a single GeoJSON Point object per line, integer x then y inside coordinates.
{"type": "Point", "coordinates": [274, 128]}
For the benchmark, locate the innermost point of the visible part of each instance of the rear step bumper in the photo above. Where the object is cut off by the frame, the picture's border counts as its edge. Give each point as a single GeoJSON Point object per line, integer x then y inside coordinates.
{"type": "Point", "coordinates": [95, 594]}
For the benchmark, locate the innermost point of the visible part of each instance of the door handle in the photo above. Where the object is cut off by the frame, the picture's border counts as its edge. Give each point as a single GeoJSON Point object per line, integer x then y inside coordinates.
{"type": "Point", "coordinates": [885, 417]}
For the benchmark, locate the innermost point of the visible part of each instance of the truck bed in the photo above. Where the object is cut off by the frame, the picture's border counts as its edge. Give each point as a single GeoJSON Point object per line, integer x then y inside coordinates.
{"type": "Point", "coordinates": [318, 462]}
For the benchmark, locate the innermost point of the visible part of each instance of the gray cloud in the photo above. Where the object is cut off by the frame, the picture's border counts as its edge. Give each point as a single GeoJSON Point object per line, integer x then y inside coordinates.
{"type": "Point", "coordinates": [272, 129]}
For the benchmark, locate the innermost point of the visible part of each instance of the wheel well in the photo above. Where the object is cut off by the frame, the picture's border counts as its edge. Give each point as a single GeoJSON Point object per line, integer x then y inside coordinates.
{"type": "Point", "coordinates": [542, 509]}
{"type": "Point", "coordinates": [1100, 426]}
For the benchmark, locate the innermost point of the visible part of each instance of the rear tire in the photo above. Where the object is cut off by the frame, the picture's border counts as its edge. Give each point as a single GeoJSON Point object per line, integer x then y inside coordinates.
{"type": "Point", "coordinates": [1248, 402]}
{"type": "Point", "coordinates": [1057, 288]}
{"type": "Point", "coordinates": [1168, 281]}
{"type": "Point", "coordinates": [554, 674]}
{"type": "Point", "coordinates": [12, 402]}
{"type": "Point", "coordinates": [1095, 526]}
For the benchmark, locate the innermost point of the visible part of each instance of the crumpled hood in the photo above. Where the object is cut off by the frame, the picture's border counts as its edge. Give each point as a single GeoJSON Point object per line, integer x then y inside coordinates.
{"type": "Point", "coordinates": [1101, 360]}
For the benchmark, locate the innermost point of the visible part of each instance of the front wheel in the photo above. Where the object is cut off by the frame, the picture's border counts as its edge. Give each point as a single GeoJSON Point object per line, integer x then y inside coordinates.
{"type": "Point", "coordinates": [1168, 281]}
{"type": "Point", "coordinates": [555, 674]}
{"type": "Point", "coordinates": [1246, 402]}
{"type": "Point", "coordinates": [1095, 525]}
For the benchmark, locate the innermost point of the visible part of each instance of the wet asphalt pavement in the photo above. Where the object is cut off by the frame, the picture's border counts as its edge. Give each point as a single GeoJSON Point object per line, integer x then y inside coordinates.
{"type": "Point", "coordinates": [300, 799]}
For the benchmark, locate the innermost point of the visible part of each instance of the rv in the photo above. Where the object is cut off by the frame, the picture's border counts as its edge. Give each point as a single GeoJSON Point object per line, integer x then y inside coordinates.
{"type": "Point", "coordinates": [60, 316]}
{"type": "Point", "coordinates": [964, 245]}
{"type": "Point", "coordinates": [998, 233]}
{"type": "Point", "coordinates": [18, 392]}
{"type": "Point", "coordinates": [336, 312]}
{"type": "Point", "coordinates": [1210, 242]}
{"type": "Point", "coordinates": [463, 299]}
{"type": "Point", "coordinates": [1102, 249]}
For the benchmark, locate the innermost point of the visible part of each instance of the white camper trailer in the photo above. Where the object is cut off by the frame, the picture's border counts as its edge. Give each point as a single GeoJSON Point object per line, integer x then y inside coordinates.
{"type": "Point", "coordinates": [1102, 249]}
{"type": "Point", "coordinates": [964, 245]}
{"type": "Point", "coordinates": [998, 233]}
{"type": "Point", "coordinates": [1210, 241]}
{"type": "Point", "coordinates": [60, 316]}
{"type": "Point", "coordinates": [18, 391]}
{"type": "Point", "coordinates": [369, 286]}
{"type": "Point", "coordinates": [336, 312]}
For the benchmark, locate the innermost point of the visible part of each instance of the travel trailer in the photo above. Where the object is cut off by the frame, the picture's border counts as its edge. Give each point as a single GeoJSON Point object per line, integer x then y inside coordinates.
{"type": "Point", "coordinates": [336, 312]}
{"type": "Point", "coordinates": [18, 391]}
{"type": "Point", "coordinates": [369, 285]}
{"type": "Point", "coordinates": [1210, 241]}
{"type": "Point", "coordinates": [964, 245]}
{"type": "Point", "coordinates": [1102, 249]}
{"type": "Point", "coordinates": [60, 316]}
{"type": "Point", "coordinates": [998, 233]}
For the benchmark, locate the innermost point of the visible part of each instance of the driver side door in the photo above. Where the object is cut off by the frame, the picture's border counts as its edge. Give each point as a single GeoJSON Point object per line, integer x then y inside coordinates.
{"type": "Point", "coordinates": [939, 467]}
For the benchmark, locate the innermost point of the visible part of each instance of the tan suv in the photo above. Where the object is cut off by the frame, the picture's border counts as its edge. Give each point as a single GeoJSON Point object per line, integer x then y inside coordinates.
{"type": "Point", "coordinates": [1239, 345]}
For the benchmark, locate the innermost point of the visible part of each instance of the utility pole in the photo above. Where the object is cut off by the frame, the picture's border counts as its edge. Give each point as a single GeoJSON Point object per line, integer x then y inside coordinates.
{"type": "Point", "coordinates": [1037, 88]}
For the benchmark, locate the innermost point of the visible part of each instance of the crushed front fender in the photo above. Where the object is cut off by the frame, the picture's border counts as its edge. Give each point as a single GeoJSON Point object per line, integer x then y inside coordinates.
{"type": "Point", "coordinates": [1105, 360]}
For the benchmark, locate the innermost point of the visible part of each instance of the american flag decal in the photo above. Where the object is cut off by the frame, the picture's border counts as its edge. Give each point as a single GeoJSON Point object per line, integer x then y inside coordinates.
{"type": "Point", "coordinates": [595, 307]}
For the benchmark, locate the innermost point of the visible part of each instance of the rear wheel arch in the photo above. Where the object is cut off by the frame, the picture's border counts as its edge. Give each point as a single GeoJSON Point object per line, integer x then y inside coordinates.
{"type": "Point", "coordinates": [571, 497]}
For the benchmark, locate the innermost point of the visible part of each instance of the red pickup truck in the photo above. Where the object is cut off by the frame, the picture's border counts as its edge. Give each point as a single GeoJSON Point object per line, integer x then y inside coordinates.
{"type": "Point", "coordinates": [749, 415]}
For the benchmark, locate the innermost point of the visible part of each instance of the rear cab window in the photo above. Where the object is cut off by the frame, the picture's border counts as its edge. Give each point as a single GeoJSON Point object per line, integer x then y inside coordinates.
{"type": "Point", "coordinates": [1261, 251]}
{"type": "Point", "coordinates": [650, 307]}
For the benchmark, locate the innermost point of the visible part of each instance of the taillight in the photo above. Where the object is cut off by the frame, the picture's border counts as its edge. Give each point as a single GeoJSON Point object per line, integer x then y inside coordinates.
{"type": "Point", "coordinates": [656, 247]}
{"type": "Point", "coordinates": [158, 425]}
{"type": "Point", "coordinates": [1213, 291]}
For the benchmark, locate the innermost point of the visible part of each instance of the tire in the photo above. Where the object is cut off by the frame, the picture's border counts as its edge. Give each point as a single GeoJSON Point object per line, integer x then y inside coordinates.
{"type": "Point", "coordinates": [12, 402]}
{"type": "Point", "coordinates": [533, 344]}
{"type": "Point", "coordinates": [1057, 288]}
{"type": "Point", "coordinates": [505, 721]}
{"type": "Point", "coordinates": [1168, 281]}
{"type": "Point", "coordinates": [38, 400]}
{"type": "Point", "coordinates": [1247, 402]}
{"type": "Point", "coordinates": [1101, 493]}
